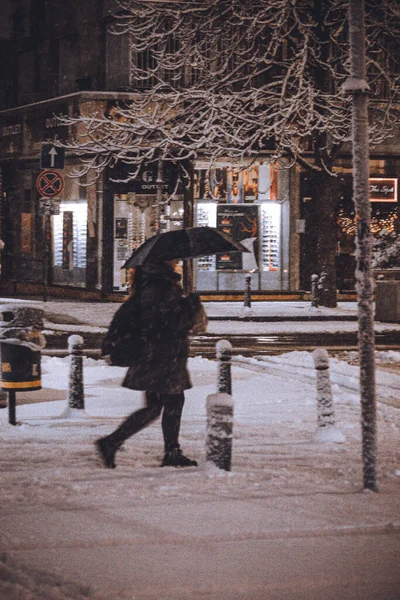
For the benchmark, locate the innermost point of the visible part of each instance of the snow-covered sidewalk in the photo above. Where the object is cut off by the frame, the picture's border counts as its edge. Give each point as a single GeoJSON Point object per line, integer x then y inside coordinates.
{"type": "Point", "coordinates": [100, 313]}
{"type": "Point", "coordinates": [289, 521]}
{"type": "Point", "coordinates": [94, 317]}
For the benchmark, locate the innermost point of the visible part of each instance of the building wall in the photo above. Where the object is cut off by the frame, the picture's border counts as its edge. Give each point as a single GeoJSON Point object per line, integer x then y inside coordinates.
{"type": "Point", "coordinates": [50, 50]}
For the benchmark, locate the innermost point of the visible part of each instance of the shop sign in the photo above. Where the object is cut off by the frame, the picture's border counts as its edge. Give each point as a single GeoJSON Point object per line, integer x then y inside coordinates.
{"type": "Point", "coordinates": [11, 140]}
{"type": "Point", "coordinates": [146, 182]}
{"type": "Point", "coordinates": [383, 189]}
{"type": "Point", "coordinates": [44, 124]}
{"type": "Point", "coordinates": [49, 206]}
{"type": "Point", "coordinates": [240, 223]}
{"type": "Point", "coordinates": [121, 228]}
{"type": "Point", "coordinates": [49, 183]}
{"type": "Point", "coordinates": [122, 250]}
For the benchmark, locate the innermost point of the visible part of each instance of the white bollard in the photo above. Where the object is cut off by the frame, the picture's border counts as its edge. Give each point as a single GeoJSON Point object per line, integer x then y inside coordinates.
{"type": "Point", "coordinates": [326, 429]}
{"type": "Point", "coordinates": [219, 430]}
{"type": "Point", "coordinates": [314, 290]}
{"type": "Point", "coordinates": [220, 412]}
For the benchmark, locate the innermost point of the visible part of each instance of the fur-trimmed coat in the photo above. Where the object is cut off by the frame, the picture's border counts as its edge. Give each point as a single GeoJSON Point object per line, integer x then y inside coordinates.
{"type": "Point", "coordinates": [165, 319]}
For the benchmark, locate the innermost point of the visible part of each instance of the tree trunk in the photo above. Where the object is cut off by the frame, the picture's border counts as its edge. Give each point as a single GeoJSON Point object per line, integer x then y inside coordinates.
{"type": "Point", "coordinates": [325, 200]}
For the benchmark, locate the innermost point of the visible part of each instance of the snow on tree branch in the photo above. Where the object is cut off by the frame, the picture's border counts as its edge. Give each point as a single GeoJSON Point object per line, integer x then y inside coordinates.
{"type": "Point", "coordinates": [238, 79]}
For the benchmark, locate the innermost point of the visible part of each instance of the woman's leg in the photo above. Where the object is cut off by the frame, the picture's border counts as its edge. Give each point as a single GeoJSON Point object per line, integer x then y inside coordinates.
{"type": "Point", "coordinates": [139, 419]}
{"type": "Point", "coordinates": [108, 445]}
{"type": "Point", "coordinates": [171, 419]}
{"type": "Point", "coordinates": [171, 424]}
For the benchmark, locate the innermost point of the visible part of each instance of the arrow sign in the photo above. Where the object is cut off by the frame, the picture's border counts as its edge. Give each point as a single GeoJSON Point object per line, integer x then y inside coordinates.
{"type": "Point", "coordinates": [53, 153]}
{"type": "Point", "coordinates": [52, 157]}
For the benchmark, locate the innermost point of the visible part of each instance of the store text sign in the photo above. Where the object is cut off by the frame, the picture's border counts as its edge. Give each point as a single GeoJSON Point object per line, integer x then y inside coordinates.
{"type": "Point", "coordinates": [11, 140]}
{"type": "Point", "coordinates": [240, 223]}
{"type": "Point", "coordinates": [383, 189]}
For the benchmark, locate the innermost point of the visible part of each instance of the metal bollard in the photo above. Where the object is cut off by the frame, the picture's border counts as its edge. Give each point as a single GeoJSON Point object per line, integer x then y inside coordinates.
{"type": "Point", "coordinates": [76, 397]}
{"type": "Point", "coordinates": [247, 292]}
{"type": "Point", "coordinates": [220, 412]}
{"type": "Point", "coordinates": [314, 290]}
{"type": "Point", "coordinates": [326, 425]}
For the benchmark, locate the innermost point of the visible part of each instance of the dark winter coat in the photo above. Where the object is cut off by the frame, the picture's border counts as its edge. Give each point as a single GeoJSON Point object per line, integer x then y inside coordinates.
{"type": "Point", "coordinates": [165, 318]}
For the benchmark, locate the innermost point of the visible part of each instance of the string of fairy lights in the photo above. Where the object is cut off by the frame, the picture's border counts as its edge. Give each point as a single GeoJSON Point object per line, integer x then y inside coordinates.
{"type": "Point", "coordinates": [387, 221]}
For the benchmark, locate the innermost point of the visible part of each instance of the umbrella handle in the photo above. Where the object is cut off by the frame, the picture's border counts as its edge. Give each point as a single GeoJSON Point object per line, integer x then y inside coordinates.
{"type": "Point", "coordinates": [188, 276]}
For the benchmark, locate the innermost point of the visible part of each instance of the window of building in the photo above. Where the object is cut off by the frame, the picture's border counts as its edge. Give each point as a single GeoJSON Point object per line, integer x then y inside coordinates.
{"type": "Point", "coordinates": [26, 76]}
{"type": "Point", "coordinates": [118, 60]}
{"type": "Point", "coordinates": [68, 63]}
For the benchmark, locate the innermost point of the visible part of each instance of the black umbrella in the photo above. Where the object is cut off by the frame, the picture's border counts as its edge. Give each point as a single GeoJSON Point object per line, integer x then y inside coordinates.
{"type": "Point", "coordinates": [183, 243]}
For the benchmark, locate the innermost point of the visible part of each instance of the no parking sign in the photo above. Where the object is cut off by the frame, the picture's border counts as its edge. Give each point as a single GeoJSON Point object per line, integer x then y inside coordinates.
{"type": "Point", "coordinates": [49, 183]}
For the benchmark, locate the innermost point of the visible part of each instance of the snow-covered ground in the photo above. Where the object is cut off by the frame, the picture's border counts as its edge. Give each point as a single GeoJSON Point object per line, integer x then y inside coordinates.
{"type": "Point", "coordinates": [289, 521]}
{"type": "Point", "coordinates": [100, 313]}
{"type": "Point", "coordinates": [94, 317]}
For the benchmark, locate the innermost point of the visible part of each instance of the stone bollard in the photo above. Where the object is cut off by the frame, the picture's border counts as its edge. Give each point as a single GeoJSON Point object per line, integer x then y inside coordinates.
{"type": "Point", "coordinates": [247, 292]}
{"type": "Point", "coordinates": [326, 430]}
{"type": "Point", "coordinates": [314, 290]}
{"type": "Point", "coordinates": [220, 412]}
{"type": "Point", "coordinates": [76, 397]}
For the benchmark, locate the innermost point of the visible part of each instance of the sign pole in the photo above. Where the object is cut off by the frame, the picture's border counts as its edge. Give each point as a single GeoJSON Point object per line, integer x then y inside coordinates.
{"type": "Point", "coordinates": [188, 221]}
{"type": "Point", "coordinates": [46, 254]}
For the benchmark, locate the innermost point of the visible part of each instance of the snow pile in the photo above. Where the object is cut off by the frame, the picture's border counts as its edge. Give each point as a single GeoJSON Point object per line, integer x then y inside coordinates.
{"type": "Point", "coordinates": [386, 250]}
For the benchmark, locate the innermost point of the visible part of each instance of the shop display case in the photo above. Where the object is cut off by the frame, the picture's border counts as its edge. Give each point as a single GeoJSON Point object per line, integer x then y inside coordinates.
{"type": "Point", "coordinates": [134, 219]}
{"type": "Point", "coordinates": [206, 216]}
{"type": "Point", "coordinates": [264, 263]}
{"type": "Point", "coordinates": [69, 243]}
{"type": "Point", "coordinates": [270, 236]}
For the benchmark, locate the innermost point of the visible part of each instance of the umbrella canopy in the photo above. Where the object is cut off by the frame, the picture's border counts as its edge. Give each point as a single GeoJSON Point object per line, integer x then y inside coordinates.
{"type": "Point", "coordinates": [183, 243]}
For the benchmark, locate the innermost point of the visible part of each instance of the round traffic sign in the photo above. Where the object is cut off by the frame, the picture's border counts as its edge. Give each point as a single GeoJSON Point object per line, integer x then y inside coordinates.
{"type": "Point", "coordinates": [49, 183]}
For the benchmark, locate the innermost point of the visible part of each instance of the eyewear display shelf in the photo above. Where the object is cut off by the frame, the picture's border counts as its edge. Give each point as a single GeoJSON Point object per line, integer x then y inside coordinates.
{"type": "Point", "coordinates": [208, 278]}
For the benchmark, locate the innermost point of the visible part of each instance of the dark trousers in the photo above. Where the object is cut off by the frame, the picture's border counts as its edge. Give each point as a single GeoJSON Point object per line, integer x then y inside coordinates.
{"type": "Point", "coordinates": [154, 404]}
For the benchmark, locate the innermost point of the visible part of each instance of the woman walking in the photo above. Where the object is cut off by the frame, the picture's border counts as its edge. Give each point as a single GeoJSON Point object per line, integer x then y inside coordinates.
{"type": "Point", "coordinates": [164, 318]}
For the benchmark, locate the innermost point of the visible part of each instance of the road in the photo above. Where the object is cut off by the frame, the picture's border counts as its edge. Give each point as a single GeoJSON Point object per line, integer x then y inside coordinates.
{"type": "Point", "coordinates": [245, 344]}
{"type": "Point", "coordinates": [248, 344]}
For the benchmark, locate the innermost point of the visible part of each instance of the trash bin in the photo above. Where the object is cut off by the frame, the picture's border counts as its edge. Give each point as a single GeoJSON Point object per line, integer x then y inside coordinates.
{"type": "Point", "coordinates": [21, 342]}
{"type": "Point", "coordinates": [387, 301]}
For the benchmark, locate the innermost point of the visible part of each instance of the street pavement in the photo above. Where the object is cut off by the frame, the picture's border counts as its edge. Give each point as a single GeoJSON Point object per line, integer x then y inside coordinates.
{"type": "Point", "coordinates": [279, 547]}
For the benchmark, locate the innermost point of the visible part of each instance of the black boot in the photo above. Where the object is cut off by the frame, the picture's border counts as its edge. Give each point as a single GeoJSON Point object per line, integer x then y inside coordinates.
{"type": "Point", "coordinates": [174, 458]}
{"type": "Point", "coordinates": [107, 450]}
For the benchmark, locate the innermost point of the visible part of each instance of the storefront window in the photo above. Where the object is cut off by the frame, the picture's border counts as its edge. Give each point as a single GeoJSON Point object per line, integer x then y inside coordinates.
{"type": "Point", "coordinates": [134, 222]}
{"type": "Point", "coordinates": [384, 218]}
{"type": "Point", "coordinates": [242, 203]}
{"type": "Point", "coordinates": [384, 213]}
{"type": "Point", "coordinates": [69, 243]}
